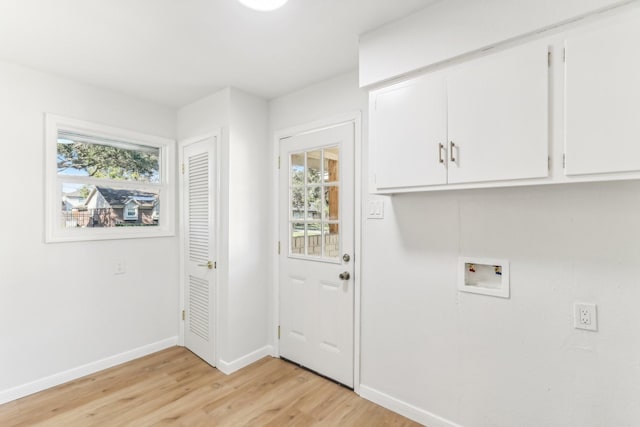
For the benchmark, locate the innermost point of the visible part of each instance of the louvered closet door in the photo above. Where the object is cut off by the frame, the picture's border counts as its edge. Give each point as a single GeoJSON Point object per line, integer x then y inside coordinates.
{"type": "Point", "coordinates": [198, 205]}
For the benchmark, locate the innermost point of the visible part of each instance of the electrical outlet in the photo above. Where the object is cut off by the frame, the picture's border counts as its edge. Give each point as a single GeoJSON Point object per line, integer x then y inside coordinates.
{"type": "Point", "coordinates": [585, 316]}
{"type": "Point", "coordinates": [120, 267]}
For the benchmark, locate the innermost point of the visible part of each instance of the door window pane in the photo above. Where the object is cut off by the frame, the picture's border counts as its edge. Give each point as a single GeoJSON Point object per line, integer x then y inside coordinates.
{"type": "Point", "coordinates": [297, 169]}
{"type": "Point", "coordinates": [297, 203]}
{"type": "Point", "coordinates": [314, 167]}
{"type": "Point", "coordinates": [314, 203]}
{"type": "Point", "coordinates": [331, 164]}
{"type": "Point", "coordinates": [331, 203]}
{"type": "Point", "coordinates": [297, 245]}
{"type": "Point", "coordinates": [314, 239]}
{"type": "Point", "coordinates": [331, 234]}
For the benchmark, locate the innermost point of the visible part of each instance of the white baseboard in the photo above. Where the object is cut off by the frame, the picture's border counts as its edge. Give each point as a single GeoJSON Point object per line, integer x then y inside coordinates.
{"type": "Point", "coordinates": [405, 409]}
{"type": "Point", "coordinates": [246, 360]}
{"type": "Point", "coordinates": [81, 371]}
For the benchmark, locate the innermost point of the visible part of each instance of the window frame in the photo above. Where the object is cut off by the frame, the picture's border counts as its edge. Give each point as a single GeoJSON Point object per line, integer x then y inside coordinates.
{"type": "Point", "coordinates": [323, 220]}
{"type": "Point", "coordinates": [53, 182]}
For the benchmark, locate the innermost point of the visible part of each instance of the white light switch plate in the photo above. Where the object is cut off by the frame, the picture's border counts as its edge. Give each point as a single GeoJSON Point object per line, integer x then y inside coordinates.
{"type": "Point", "coordinates": [376, 209]}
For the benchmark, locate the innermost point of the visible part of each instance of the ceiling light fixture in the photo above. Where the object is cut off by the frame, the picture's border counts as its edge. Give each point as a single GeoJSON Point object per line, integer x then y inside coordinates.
{"type": "Point", "coordinates": [263, 5]}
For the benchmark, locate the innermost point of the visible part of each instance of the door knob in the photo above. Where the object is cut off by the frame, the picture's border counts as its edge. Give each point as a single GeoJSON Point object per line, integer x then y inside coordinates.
{"type": "Point", "coordinates": [344, 276]}
{"type": "Point", "coordinates": [209, 265]}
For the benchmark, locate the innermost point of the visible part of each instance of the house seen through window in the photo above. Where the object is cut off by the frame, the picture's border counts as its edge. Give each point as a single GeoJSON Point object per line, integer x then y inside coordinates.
{"type": "Point", "coordinates": [81, 159]}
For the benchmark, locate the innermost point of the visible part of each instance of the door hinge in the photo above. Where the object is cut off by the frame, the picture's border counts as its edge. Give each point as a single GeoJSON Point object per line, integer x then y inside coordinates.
{"type": "Point", "coordinates": [184, 314]}
{"type": "Point", "coordinates": [278, 331]}
{"type": "Point", "coordinates": [215, 265]}
{"type": "Point", "coordinates": [564, 160]}
{"type": "Point", "coordinates": [549, 162]}
{"type": "Point", "coordinates": [278, 248]}
{"type": "Point", "coordinates": [183, 169]}
{"type": "Point", "coordinates": [549, 58]}
{"type": "Point", "coordinates": [564, 54]}
{"type": "Point", "coordinates": [278, 162]}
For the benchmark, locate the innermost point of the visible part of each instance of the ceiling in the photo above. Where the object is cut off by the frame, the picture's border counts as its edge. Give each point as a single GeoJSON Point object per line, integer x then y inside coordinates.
{"type": "Point", "coordinates": [173, 52]}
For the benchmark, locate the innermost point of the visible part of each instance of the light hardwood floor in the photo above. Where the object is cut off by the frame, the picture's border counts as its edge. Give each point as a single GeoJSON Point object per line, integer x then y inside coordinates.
{"type": "Point", "coordinates": [176, 388]}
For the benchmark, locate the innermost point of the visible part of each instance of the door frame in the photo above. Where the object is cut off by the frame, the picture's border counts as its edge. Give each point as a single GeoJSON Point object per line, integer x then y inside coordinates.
{"type": "Point", "coordinates": [216, 135]}
{"type": "Point", "coordinates": [354, 117]}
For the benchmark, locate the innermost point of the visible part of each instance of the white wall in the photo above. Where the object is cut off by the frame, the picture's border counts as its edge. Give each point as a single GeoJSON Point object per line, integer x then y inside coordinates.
{"type": "Point", "coordinates": [449, 29]}
{"type": "Point", "coordinates": [243, 273]}
{"type": "Point", "coordinates": [249, 247]}
{"type": "Point", "coordinates": [484, 361]}
{"type": "Point", "coordinates": [61, 306]}
{"type": "Point", "coordinates": [450, 358]}
{"type": "Point", "coordinates": [204, 116]}
{"type": "Point", "coordinates": [330, 98]}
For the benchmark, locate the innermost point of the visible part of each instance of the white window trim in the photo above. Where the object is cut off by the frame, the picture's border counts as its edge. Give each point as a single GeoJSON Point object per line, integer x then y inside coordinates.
{"type": "Point", "coordinates": [53, 187]}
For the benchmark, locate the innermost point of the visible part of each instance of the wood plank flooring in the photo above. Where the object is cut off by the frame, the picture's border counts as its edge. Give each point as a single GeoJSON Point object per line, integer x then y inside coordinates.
{"type": "Point", "coordinates": [175, 388]}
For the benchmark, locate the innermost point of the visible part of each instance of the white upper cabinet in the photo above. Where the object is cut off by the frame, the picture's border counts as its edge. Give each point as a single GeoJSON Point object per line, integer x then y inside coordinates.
{"type": "Point", "coordinates": [485, 120]}
{"type": "Point", "coordinates": [602, 97]}
{"type": "Point", "coordinates": [561, 107]}
{"type": "Point", "coordinates": [498, 116]}
{"type": "Point", "coordinates": [408, 133]}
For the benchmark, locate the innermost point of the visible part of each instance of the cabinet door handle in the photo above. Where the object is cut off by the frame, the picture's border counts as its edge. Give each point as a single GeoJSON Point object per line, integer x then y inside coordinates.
{"type": "Point", "coordinates": [440, 148]}
{"type": "Point", "coordinates": [452, 146]}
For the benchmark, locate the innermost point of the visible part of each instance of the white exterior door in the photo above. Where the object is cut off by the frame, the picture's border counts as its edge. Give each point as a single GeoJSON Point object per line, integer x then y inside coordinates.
{"type": "Point", "coordinates": [316, 259]}
{"type": "Point", "coordinates": [199, 237]}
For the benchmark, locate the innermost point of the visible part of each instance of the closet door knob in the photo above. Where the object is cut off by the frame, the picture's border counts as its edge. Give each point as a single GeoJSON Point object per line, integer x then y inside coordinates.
{"type": "Point", "coordinates": [209, 265]}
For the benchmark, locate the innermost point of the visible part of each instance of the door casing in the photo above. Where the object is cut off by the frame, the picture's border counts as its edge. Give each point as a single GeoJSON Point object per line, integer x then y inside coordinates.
{"type": "Point", "coordinates": [354, 117]}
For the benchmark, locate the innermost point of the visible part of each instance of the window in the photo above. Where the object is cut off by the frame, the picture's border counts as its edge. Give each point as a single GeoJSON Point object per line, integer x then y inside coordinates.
{"type": "Point", "coordinates": [106, 183]}
{"type": "Point", "coordinates": [131, 210]}
{"type": "Point", "coordinates": [314, 202]}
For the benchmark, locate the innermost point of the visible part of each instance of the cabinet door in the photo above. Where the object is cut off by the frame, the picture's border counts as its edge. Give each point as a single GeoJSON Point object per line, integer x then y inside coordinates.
{"type": "Point", "coordinates": [407, 123]}
{"type": "Point", "coordinates": [498, 116]}
{"type": "Point", "coordinates": [602, 106]}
